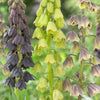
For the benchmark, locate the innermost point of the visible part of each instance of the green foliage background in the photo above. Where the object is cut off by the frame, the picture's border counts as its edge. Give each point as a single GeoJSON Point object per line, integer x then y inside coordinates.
{"type": "Point", "coordinates": [69, 8]}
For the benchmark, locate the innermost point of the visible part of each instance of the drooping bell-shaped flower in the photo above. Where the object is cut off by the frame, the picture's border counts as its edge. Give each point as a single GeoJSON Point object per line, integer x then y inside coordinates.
{"type": "Point", "coordinates": [72, 36]}
{"type": "Point", "coordinates": [59, 71]}
{"type": "Point", "coordinates": [39, 11]}
{"type": "Point", "coordinates": [96, 43]}
{"type": "Point", "coordinates": [50, 7]}
{"type": "Point", "coordinates": [50, 59]}
{"type": "Point", "coordinates": [42, 85]}
{"type": "Point", "coordinates": [96, 70]}
{"type": "Point", "coordinates": [84, 54]}
{"type": "Point", "coordinates": [84, 23]}
{"type": "Point", "coordinates": [93, 89]}
{"type": "Point", "coordinates": [68, 62]}
{"type": "Point", "coordinates": [43, 3]}
{"type": "Point", "coordinates": [57, 3]}
{"type": "Point", "coordinates": [59, 36]}
{"type": "Point", "coordinates": [73, 21]}
{"type": "Point", "coordinates": [75, 48]}
{"type": "Point", "coordinates": [66, 85]}
{"type": "Point", "coordinates": [57, 95]}
{"type": "Point", "coordinates": [58, 14]}
{"type": "Point", "coordinates": [75, 90]}
{"type": "Point", "coordinates": [51, 28]}
{"type": "Point", "coordinates": [59, 84]}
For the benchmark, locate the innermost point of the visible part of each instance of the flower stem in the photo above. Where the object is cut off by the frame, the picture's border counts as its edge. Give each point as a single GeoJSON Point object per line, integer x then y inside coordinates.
{"type": "Point", "coordinates": [50, 70]}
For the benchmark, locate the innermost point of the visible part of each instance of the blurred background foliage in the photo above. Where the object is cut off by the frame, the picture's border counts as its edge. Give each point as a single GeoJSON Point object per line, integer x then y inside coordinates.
{"type": "Point", "coordinates": [69, 8]}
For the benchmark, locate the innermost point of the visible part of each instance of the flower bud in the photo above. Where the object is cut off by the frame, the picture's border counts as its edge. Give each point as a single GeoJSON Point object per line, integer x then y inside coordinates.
{"type": "Point", "coordinates": [68, 63]}
{"type": "Point", "coordinates": [57, 3]}
{"type": "Point", "coordinates": [59, 36]}
{"type": "Point", "coordinates": [84, 23]}
{"type": "Point", "coordinates": [42, 85]}
{"type": "Point", "coordinates": [57, 95]}
{"type": "Point", "coordinates": [43, 3]}
{"type": "Point", "coordinates": [40, 11]}
{"type": "Point", "coordinates": [38, 68]}
{"type": "Point", "coordinates": [50, 59]}
{"type": "Point", "coordinates": [59, 71]}
{"type": "Point", "coordinates": [73, 21]}
{"type": "Point", "coordinates": [51, 28]}
{"type": "Point", "coordinates": [61, 44]}
{"type": "Point", "coordinates": [38, 33]}
{"type": "Point", "coordinates": [85, 54]}
{"type": "Point", "coordinates": [58, 14]}
{"type": "Point", "coordinates": [96, 43]}
{"type": "Point", "coordinates": [43, 21]}
{"type": "Point", "coordinates": [93, 89]}
{"type": "Point", "coordinates": [66, 85]}
{"type": "Point", "coordinates": [75, 90]}
{"type": "Point", "coordinates": [60, 23]}
{"type": "Point", "coordinates": [96, 70]}
{"type": "Point", "coordinates": [72, 36]}
{"type": "Point", "coordinates": [50, 7]}
{"type": "Point", "coordinates": [42, 44]}
{"type": "Point", "coordinates": [75, 48]}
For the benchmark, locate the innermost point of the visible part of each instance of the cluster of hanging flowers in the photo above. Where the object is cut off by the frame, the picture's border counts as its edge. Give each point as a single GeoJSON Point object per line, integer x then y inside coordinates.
{"type": "Point", "coordinates": [17, 40]}
{"type": "Point", "coordinates": [48, 23]}
{"type": "Point", "coordinates": [84, 25]}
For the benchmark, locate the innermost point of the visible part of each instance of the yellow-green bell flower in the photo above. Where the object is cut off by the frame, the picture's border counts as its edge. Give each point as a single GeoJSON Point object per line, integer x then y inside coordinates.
{"type": "Point", "coordinates": [43, 21]}
{"type": "Point", "coordinates": [57, 3]}
{"type": "Point", "coordinates": [42, 98]}
{"type": "Point", "coordinates": [95, 60]}
{"type": "Point", "coordinates": [38, 68]}
{"type": "Point", "coordinates": [57, 56]}
{"type": "Point", "coordinates": [42, 44]}
{"type": "Point", "coordinates": [40, 11]}
{"type": "Point", "coordinates": [43, 3]}
{"type": "Point", "coordinates": [59, 71]}
{"type": "Point", "coordinates": [36, 21]}
{"type": "Point", "coordinates": [60, 23]}
{"type": "Point", "coordinates": [57, 95]}
{"type": "Point", "coordinates": [59, 36]}
{"type": "Point", "coordinates": [50, 7]}
{"type": "Point", "coordinates": [37, 50]}
{"type": "Point", "coordinates": [59, 84]}
{"type": "Point", "coordinates": [51, 28]}
{"type": "Point", "coordinates": [50, 59]}
{"type": "Point", "coordinates": [58, 14]}
{"type": "Point", "coordinates": [42, 85]}
{"type": "Point", "coordinates": [52, 0]}
{"type": "Point", "coordinates": [61, 44]}
{"type": "Point", "coordinates": [38, 33]}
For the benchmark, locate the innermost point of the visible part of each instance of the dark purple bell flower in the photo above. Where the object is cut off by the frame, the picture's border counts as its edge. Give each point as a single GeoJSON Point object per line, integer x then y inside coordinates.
{"type": "Point", "coordinates": [18, 39]}
{"type": "Point", "coordinates": [6, 37]}
{"type": "Point", "coordinates": [10, 82]}
{"type": "Point", "coordinates": [11, 20]}
{"type": "Point", "coordinates": [17, 72]}
{"type": "Point", "coordinates": [21, 26]}
{"type": "Point", "coordinates": [26, 31]}
{"type": "Point", "coordinates": [26, 48]}
{"type": "Point", "coordinates": [27, 76]}
{"type": "Point", "coordinates": [20, 84]}
{"type": "Point", "coordinates": [16, 19]}
{"type": "Point", "coordinates": [27, 62]}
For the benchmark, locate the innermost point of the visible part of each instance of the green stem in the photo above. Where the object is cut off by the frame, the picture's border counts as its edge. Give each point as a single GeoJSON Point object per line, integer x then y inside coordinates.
{"type": "Point", "coordinates": [50, 70]}
{"type": "Point", "coordinates": [50, 78]}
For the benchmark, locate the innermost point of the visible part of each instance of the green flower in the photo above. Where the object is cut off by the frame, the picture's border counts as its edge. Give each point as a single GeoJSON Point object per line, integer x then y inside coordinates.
{"type": "Point", "coordinates": [50, 59]}
{"type": "Point", "coordinates": [60, 23]}
{"type": "Point", "coordinates": [51, 28]}
{"type": "Point", "coordinates": [36, 21]}
{"type": "Point", "coordinates": [43, 3]}
{"type": "Point", "coordinates": [59, 84]}
{"type": "Point", "coordinates": [58, 14]}
{"type": "Point", "coordinates": [42, 44]}
{"type": "Point", "coordinates": [57, 3]}
{"type": "Point", "coordinates": [40, 11]}
{"type": "Point", "coordinates": [38, 33]}
{"type": "Point", "coordinates": [50, 7]}
{"type": "Point", "coordinates": [38, 68]}
{"type": "Point", "coordinates": [43, 21]}
{"type": "Point", "coordinates": [59, 36]}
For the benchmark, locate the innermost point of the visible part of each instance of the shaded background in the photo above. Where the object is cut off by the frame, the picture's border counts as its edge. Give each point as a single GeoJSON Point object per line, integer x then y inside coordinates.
{"type": "Point", "coordinates": [68, 8]}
